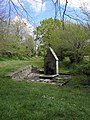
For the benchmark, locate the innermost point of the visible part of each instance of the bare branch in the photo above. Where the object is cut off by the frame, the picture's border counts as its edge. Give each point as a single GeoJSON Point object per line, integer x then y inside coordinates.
{"type": "Point", "coordinates": [64, 13]}
{"type": "Point", "coordinates": [9, 12]}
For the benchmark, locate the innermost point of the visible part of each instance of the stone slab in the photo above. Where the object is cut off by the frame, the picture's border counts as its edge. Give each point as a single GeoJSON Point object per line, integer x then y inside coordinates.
{"type": "Point", "coordinates": [47, 76]}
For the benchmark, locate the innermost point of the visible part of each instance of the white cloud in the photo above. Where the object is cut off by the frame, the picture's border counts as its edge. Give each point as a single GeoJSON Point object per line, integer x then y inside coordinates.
{"type": "Point", "coordinates": [77, 3]}
{"type": "Point", "coordinates": [37, 5]}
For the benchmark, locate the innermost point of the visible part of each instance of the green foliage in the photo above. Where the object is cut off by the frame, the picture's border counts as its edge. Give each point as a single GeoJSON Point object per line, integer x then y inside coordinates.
{"type": "Point", "coordinates": [12, 44]}
{"type": "Point", "coordinates": [64, 66]}
{"type": "Point", "coordinates": [84, 69]}
{"type": "Point", "coordinates": [70, 42]}
{"type": "Point", "coordinates": [44, 33]}
{"type": "Point", "coordinates": [81, 73]}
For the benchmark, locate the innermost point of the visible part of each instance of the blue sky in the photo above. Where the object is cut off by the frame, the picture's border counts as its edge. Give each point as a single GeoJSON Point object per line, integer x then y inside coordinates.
{"type": "Point", "coordinates": [38, 10]}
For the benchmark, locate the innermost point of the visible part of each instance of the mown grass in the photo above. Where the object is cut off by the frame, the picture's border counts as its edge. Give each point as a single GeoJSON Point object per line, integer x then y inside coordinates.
{"type": "Point", "coordinates": [21, 100]}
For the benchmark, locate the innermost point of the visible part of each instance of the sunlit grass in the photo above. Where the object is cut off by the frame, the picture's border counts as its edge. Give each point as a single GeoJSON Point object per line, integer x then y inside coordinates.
{"type": "Point", "coordinates": [21, 100]}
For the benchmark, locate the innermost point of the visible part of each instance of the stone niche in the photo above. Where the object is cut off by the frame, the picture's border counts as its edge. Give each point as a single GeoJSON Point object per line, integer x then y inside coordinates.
{"type": "Point", "coordinates": [51, 63]}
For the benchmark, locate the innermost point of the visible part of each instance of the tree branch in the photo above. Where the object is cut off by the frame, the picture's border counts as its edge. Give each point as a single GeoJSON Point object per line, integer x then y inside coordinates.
{"type": "Point", "coordinates": [64, 14]}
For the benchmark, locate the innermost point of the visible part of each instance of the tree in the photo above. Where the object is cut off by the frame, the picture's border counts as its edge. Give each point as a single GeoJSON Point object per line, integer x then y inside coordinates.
{"type": "Point", "coordinates": [16, 40]}
{"type": "Point", "coordinates": [68, 42]}
{"type": "Point", "coordinates": [43, 32]}
{"type": "Point", "coordinates": [73, 42]}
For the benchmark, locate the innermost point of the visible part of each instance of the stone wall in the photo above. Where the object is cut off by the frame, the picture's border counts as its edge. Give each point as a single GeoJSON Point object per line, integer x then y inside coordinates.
{"type": "Point", "coordinates": [22, 73]}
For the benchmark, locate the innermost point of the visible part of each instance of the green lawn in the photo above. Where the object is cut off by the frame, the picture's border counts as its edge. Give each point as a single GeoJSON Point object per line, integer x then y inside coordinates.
{"type": "Point", "coordinates": [21, 100]}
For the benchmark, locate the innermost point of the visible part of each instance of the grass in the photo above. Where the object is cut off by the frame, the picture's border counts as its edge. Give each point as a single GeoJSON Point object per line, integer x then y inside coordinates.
{"type": "Point", "coordinates": [35, 101]}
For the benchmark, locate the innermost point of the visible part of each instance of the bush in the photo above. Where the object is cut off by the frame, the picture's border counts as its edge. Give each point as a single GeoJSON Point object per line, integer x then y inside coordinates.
{"type": "Point", "coordinates": [84, 69]}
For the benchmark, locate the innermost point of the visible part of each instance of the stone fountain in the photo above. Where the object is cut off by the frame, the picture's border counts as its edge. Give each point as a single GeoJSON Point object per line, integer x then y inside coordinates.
{"type": "Point", "coordinates": [50, 64]}
{"type": "Point", "coordinates": [49, 75]}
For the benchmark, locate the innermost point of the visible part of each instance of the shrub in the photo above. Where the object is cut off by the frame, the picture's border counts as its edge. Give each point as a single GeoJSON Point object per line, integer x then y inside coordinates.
{"type": "Point", "coordinates": [84, 69]}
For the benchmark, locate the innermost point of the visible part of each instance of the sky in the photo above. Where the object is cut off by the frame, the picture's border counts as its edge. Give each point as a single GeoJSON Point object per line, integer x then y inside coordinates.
{"type": "Point", "coordinates": [41, 9]}
{"type": "Point", "coordinates": [38, 5]}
